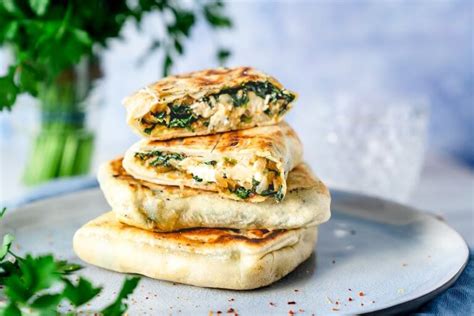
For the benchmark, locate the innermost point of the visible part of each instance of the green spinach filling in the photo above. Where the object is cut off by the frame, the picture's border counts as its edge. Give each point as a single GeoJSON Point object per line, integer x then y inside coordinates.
{"type": "Point", "coordinates": [244, 193]}
{"type": "Point", "coordinates": [181, 115]}
{"type": "Point", "coordinates": [197, 179]}
{"type": "Point", "coordinates": [277, 194]}
{"type": "Point", "coordinates": [159, 158]}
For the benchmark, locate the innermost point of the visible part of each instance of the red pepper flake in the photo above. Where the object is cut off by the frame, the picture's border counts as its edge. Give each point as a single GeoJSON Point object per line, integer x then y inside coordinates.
{"type": "Point", "coordinates": [301, 310]}
{"type": "Point", "coordinates": [230, 310]}
{"type": "Point", "coordinates": [290, 312]}
{"type": "Point", "coordinates": [335, 309]}
{"type": "Point", "coordinates": [350, 299]}
{"type": "Point", "coordinates": [291, 303]}
{"type": "Point", "coordinates": [272, 304]}
{"type": "Point", "coordinates": [361, 293]}
{"type": "Point", "coordinates": [219, 312]}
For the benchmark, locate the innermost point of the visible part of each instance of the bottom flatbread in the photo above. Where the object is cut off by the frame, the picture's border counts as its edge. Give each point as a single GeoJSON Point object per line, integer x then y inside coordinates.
{"type": "Point", "coordinates": [207, 257]}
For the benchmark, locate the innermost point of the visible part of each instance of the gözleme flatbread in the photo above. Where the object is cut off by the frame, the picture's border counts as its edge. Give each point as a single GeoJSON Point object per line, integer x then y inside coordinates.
{"type": "Point", "coordinates": [208, 101]}
{"type": "Point", "coordinates": [209, 257]}
{"type": "Point", "coordinates": [166, 208]}
{"type": "Point", "coordinates": [247, 165]}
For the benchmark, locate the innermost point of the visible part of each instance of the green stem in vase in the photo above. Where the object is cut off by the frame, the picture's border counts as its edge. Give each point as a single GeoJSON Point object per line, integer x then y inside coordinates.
{"type": "Point", "coordinates": [63, 146]}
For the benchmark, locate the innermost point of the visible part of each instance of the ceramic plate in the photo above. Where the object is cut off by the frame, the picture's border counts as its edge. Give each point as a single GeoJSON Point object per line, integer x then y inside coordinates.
{"type": "Point", "coordinates": [373, 255]}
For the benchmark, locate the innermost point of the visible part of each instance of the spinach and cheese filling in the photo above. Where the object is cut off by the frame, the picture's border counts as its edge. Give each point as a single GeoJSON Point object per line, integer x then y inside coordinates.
{"type": "Point", "coordinates": [243, 176]}
{"type": "Point", "coordinates": [248, 104]}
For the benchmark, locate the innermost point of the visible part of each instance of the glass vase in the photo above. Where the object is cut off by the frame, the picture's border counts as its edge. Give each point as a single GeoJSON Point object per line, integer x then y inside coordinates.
{"type": "Point", "coordinates": [64, 143]}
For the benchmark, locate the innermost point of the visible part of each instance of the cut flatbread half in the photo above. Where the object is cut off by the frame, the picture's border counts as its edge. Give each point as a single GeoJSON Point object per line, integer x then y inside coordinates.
{"type": "Point", "coordinates": [250, 165]}
{"type": "Point", "coordinates": [167, 208]}
{"type": "Point", "coordinates": [207, 257]}
{"type": "Point", "coordinates": [206, 102]}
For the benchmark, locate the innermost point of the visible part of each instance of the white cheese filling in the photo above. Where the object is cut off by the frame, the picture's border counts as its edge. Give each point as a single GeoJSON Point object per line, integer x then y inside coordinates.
{"type": "Point", "coordinates": [229, 172]}
{"type": "Point", "coordinates": [222, 113]}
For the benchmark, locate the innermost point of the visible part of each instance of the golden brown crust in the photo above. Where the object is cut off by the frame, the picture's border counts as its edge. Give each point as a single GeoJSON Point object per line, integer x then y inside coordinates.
{"type": "Point", "coordinates": [194, 85]}
{"type": "Point", "coordinates": [237, 259]}
{"type": "Point", "coordinates": [195, 238]}
{"type": "Point", "coordinates": [260, 139]}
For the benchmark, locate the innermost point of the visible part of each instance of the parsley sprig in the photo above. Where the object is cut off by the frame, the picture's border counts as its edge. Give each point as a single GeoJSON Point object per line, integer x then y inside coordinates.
{"type": "Point", "coordinates": [48, 37]}
{"type": "Point", "coordinates": [40, 284]}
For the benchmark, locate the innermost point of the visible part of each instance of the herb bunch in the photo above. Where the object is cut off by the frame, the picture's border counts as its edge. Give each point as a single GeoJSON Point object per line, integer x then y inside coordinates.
{"type": "Point", "coordinates": [40, 284]}
{"type": "Point", "coordinates": [48, 37]}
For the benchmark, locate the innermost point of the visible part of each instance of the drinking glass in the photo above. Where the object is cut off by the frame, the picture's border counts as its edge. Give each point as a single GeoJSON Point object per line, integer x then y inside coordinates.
{"type": "Point", "coordinates": [374, 146]}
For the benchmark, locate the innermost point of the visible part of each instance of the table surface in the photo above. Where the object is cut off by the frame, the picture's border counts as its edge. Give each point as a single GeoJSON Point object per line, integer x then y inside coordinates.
{"type": "Point", "coordinates": [446, 188]}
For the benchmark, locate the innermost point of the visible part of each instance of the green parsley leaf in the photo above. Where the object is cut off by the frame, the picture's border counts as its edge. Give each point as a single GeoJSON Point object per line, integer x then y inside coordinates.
{"type": "Point", "coordinates": [15, 289]}
{"type": "Point", "coordinates": [47, 301]}
{"type": "Point", "coordinates": [11, 6]}
{"type": "Point", "coordinates": [28, 79]}
{"type": "Point", "coordinates": [11, 310]}
{"type": "Point", "coordinates": [8, 91]}
{"type": "Point", "coordinates": [167, 63]}
{"type": "Point", "coordinates": [7, 242]}
{"type": "Point", "coordinates": [81, 293]}
{"type": "Point", "coordinates": [223, 55]}
{"type": "Point", "coordinates": [213, 15]}
{"type": "Point", "coordinates": [39, 6]}
{"type": "Point", "coordinates": [10, 31]}
{"type": "Point", "coordinates": [39, 273]}
{"type": "Point", "coordinates": [118, 307]}
{"type": "Point", "coordinates": [33, 282]}
{"type": "Point", "coordinates": [65, 268]}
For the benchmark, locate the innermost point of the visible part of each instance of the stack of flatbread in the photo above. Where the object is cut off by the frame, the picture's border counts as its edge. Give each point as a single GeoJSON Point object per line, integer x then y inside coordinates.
{"type": "Point", "coordinates": [216, 194]}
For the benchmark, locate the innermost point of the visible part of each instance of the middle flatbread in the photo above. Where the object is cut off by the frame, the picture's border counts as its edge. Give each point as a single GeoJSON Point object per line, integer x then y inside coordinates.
{"type": "Point", "coordinates": [167, 208]}
{"type": "Point", "coordinates": [247, 165]}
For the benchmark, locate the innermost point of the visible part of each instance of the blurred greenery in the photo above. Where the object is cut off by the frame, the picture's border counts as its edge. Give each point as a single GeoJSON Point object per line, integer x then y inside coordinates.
{"type": "Point", "coordinates": [48, 37]}
{"type": "Point", "coordinates": [55, 46]}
